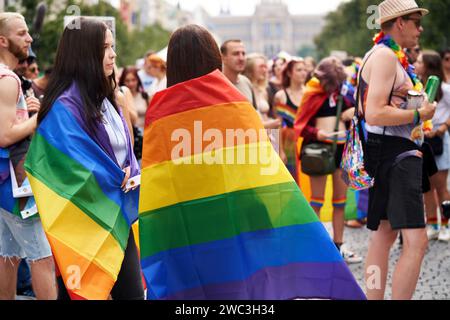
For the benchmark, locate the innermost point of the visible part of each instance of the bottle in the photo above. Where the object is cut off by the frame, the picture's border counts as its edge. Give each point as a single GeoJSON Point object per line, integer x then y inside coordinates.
{"type": "Point", "coordinates": [432, 88]}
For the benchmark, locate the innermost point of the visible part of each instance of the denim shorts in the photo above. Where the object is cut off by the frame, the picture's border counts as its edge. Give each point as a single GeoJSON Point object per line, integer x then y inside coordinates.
{"type": "Point", "coordinates": [22, 238]}
{"type": "Point", "coordinates": [443, 161]}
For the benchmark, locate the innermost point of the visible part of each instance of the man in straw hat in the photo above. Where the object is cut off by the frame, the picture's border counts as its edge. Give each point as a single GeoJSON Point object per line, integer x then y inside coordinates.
{"type": "Point", "coordinates": [391, 155]}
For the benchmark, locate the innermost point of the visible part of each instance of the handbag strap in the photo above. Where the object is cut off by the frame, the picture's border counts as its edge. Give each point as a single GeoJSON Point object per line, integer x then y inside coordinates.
{"type": "Point", "coordinates": [358, 102]}
{"type": "Point", "coordinates": [338, 117]}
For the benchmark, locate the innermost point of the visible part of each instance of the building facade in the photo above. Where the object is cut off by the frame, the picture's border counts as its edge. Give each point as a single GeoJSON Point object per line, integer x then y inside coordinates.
{"type": "Point", "coordinates": [269, 30]}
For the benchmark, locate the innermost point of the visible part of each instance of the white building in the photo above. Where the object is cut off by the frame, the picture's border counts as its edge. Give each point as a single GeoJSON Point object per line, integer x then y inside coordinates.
{"type": "Point", "coordinates": [163, 13]}
{"type": "Point", "coordinates": [269, 30]}
{"type": "Point", "coordinates": [8, 3]}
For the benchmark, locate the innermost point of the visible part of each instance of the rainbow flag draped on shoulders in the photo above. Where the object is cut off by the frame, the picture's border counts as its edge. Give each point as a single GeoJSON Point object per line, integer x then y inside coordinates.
{"type": "Point", "coordinates": [76, 182]}
{"type": "Point", "coordinates": [220, 217]}
{"type": "Point", "coordinates": [7, 201]}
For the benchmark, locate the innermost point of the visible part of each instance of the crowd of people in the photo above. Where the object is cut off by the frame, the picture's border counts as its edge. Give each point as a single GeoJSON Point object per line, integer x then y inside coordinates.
{"type": "Point", "coordinates": [295, 97]}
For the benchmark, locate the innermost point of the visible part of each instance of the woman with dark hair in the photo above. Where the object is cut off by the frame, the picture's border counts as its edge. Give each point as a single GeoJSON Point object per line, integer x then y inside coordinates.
{"type": "Point", "coordinates": [80, 166]}
{"type": "Point", "coordinates": [445, 55]}
{"type": "Point", "coordinates": [316, 122]}
{"type": "Point", "coordinates": [430, 63]}
{"type": "Point", "coordinates": [214, 226]}
{"type": "Point", "coordinates": [286, 104]}
{"type": "Point", "coordinates": [131, 80]}
{"type": "Point", "coordinates": [276, 80]}
{"type": "Point", "coordinates": [184, 59]}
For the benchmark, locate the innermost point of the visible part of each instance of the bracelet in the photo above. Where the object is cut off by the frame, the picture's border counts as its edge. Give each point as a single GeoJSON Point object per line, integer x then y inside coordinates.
{"type": "Point", "coordinates": [416, 117]}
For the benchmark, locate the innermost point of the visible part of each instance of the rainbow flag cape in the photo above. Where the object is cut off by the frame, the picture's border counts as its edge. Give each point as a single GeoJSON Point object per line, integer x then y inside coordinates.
{"type": "Point", "coordinates": [76, 182]}
{"type": "Point", "coordinates": [7, 202]}
{"type": "Point", "coordinates": [212, 227]}
{"type": "Point", "coordinates": [287, 113]}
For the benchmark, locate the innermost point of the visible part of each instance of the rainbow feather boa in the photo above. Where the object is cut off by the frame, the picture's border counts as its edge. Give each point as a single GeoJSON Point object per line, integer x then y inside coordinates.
{"type": "Point", "coordinates": [382, 38]}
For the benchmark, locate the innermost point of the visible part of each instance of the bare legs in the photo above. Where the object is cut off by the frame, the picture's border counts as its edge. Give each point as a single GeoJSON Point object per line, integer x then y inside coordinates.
{"type": "Point", "coordinates": [407, 270]}
{"type": "Point", "coordinates": [42, 275]}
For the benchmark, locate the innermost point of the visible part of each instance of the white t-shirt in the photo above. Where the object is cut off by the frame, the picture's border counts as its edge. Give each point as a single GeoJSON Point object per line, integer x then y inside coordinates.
{"type": "Point", "coordinates": [157, 85]}
{"type": "Point", "coordinates": [146, 79]}
{"type": "Point", "coordinates": [443, 108]}
{"type": "Point", "coordinates": [116, 132]}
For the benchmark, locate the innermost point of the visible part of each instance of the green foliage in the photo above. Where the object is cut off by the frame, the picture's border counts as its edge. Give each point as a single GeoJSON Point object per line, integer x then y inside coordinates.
{"type": "Point", "coordinates": [307, 51]}
{"type": "Point", "coordinates": [130, 46]}
{"type": "Point", "coordinates": [437, 27]}
{"type": "Point", "coordinates": [346, 28]}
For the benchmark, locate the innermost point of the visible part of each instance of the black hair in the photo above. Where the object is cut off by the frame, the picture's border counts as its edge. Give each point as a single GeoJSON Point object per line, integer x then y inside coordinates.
{"type": "Point", "coordinates": [79, 59]}
{"type": "Point", "coordinates": [192, 53]}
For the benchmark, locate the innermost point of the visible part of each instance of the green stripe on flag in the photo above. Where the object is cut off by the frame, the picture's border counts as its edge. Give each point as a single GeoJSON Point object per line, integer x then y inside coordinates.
{"type": "Point", "coordinates": [223, 216]}
{"type": "Point", "coordinates": [79, 186]}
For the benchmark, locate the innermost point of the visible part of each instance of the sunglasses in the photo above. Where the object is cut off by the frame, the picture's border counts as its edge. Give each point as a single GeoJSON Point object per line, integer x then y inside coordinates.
{"type": "Point", "coordinates": [416, 50]}
{"type": "Point", "coordinates": [417, 22]}
{"type": "Point", "coordinates": [447, 59]}
{"type": "Point", "coordinates": [33, 70]}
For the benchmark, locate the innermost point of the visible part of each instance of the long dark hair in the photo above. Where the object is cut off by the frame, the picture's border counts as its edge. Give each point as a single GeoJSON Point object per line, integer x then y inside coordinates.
{"type": "Point", "coordinates": [192, 53]}
{"type": "Point", "coordinates": [79, 59]}
{"type": "Point", "coordinates": [134, 71]}
{"type": "Point", "coordinates": [433, 67]}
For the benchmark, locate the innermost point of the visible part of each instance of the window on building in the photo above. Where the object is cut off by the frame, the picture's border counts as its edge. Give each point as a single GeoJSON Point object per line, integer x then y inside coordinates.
{"type": "Point", "coordinates": [278, 30]}
{"type": "Point", "coordinates": [266, 30]}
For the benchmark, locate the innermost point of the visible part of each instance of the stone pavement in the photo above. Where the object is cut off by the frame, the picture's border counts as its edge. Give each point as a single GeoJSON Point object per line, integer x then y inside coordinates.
{"type": "Point", "coordinates": [434, 282]}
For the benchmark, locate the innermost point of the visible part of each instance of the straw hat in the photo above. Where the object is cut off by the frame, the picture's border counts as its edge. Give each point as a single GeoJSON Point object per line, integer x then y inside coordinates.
{"type": "Point", "coordinates": [391, 9]}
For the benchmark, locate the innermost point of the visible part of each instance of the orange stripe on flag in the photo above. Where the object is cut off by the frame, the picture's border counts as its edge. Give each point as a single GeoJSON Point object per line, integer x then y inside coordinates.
{"type": "Point", "coordinates": [200, 127]}
{"type": "Point", "coordinates": [83, 278]}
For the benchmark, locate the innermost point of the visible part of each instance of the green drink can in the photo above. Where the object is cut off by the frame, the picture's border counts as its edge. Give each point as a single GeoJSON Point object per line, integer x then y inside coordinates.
{"type": "Point", "coordinates": [432, 88]}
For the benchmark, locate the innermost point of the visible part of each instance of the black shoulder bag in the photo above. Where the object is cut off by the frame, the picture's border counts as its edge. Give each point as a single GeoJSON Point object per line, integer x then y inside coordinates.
{"type": "Point", "coordinates": [318, 159]}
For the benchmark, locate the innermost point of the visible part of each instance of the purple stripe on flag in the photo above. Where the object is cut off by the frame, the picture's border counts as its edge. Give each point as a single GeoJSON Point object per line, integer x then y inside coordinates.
{"type": "Point", "coordinates": [295, 281]}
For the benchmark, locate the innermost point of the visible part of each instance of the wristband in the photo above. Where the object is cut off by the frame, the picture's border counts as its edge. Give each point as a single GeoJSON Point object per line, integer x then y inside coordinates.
{"type": "Point", "coordinates": [416, 117]}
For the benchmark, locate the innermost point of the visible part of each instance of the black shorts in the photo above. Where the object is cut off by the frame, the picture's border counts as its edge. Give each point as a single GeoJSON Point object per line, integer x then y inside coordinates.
{"type": "Point", "coordinates": [396, 164]}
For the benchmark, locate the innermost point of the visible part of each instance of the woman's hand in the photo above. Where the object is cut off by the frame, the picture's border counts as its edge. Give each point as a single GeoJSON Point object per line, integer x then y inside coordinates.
{"type": "Point", "coordinates": [322, 135]}
{"type": "Point", "coordinates": [127, 171]}
{"type": "Point", "coordinates": [440, 132]}
{"type": "Point", "coordinates": [33, 104]}
{"type": "Point", "coordinates": [272, 124]}
{"type": "Point", "coordinates": [430, 134]}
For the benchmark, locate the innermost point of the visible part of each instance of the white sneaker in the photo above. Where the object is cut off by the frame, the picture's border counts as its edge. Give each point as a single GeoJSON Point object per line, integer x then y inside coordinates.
{"type": "Point", "coordinates": [432, 233]}
{"type": "Point", "coordinates": [444, 234]}
{"type": "Point", "coordinates": [349, 256]}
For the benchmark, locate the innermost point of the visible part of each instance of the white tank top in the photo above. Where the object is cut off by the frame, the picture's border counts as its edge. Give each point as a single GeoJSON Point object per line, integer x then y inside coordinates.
{"type": "Point", "coordinates": [116, 132]}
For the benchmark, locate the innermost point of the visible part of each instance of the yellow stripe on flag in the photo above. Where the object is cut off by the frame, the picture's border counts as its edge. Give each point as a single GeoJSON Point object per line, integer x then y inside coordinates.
{"type": "Point", "coordinates": [168, 183]}
{"type": "Point", "coordinates": [69, 225]}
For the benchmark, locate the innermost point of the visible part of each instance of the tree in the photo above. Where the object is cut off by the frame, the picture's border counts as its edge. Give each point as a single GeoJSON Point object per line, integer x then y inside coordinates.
{"type": "Point", "coordinates": [347, 28]}
{"type": "Point", "coordinates": [307, 51]}
{"type": "Point", "coordinates": [129, 45]}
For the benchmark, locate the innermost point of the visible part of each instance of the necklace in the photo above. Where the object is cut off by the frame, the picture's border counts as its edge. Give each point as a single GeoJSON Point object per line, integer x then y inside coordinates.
{"type": "Point", "coordinates": [387, 40]}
